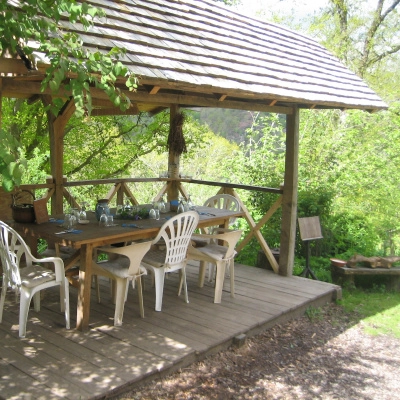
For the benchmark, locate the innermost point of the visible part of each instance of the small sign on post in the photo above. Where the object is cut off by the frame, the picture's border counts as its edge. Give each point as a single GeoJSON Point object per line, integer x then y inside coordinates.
{"type": "Point", "coordinates": [310, 229]}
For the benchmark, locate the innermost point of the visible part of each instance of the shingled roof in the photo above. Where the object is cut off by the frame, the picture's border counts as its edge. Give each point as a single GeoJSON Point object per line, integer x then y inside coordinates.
{"type": "Point", "coordinates": [202, 53]}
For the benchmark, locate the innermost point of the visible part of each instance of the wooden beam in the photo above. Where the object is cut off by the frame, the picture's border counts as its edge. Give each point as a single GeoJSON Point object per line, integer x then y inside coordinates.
{"type": "Point", "coordinates": [12, 66]}
{"type": "Point", "coordinates": [289, 200]}
{"type": "Point", "coordinates": [129, 194]}
{"type": "Point", "coordinates": [157, 110]}
{"type": "Point", "coordinates": [11, 87]}
{"type": "Point", "coordinates": [151, 89]}
{"type": "Point", "coordinates": [111, 193]}
{"type": "Point", "coordinates": [33, 99]}
{"type": "Point", "coordinates": [220, 97]}
{"type": "Point", "coordinates": [97, 112]}
{"type": "Point", "coordinates": [154, 90]}
{"type": "Point", "coordinates": [161, 193]}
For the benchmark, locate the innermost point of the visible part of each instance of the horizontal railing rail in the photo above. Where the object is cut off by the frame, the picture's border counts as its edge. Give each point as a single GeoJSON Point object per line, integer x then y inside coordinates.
{"type": "Point", "coordinates": [123, 193]}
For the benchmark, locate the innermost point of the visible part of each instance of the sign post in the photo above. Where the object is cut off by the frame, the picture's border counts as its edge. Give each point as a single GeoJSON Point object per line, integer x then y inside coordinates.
{"type": "Point", "coordinates": [310, 229]}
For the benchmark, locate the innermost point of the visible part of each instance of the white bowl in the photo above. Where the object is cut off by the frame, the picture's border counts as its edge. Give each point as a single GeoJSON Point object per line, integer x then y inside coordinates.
{"type": "Point", "coordinates": [83, 221]}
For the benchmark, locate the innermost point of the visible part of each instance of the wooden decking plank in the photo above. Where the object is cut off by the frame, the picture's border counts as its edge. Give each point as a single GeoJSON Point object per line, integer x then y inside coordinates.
{"type": "Point", "coordinates": [258, 275]}
{"type": "Point", "coordinates": [150, 342]}
{"type": "Point", "coordinates": [112, 357]}
{"type": "Point", "coordinates": [35, 368]}
{"type": "Point", "coordinates": [209, 320]}
{"type": "Point", "coordinates": [185, 328]}
{"type": "Point", "coordinates": [172, 335]}
{"type": "Point", "coordinates": [283, 296]}
{"type": "Point", "coordinates": [269, 280]}
{"type": "Point", "coordinates": [201, 306]}
{"type": "Point", "coordinates": [10, 389]}
{"type": "Point", "coordinates": [247, 312]}
{"type": "Point", "coordinates": [229, 310]}
{"type": "Point", "coordinates": [76, 349]}
{"type": "Point", "coordinates": [61, 363]}
{"type": "Point", "coordinates": [97, 345]}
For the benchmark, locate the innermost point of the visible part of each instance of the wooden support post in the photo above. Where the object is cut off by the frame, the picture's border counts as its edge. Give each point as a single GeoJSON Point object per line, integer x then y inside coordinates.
{"type": "Point", "coordinates": [57, 126]}
{"type": "Point", "coordinates": [1, 101]}
{"type": "Point", "coordinates": [173, 160]}
{"type": "Point", "coordinates": [85, 277]}
{"type": "Point", "coordinates": [289, 198]}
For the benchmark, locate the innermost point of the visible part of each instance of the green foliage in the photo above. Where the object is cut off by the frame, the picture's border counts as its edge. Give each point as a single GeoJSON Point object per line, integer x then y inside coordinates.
{"type": "Point", "coordinates": [11, 162]}
{"type": "Point", "coordinates": [230, 2]}
{"type": "Point", "coordinates": [314, 314]}
{"type": "Point", "coordinates": [34, 26]}
{"type": "Point", "coordinates": [379, 310]}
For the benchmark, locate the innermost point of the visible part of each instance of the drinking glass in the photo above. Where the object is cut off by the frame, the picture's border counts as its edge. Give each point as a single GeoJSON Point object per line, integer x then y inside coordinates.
{"type": "Point", "coordinates": [119, 210]}
{"type": "Point", "coordinates": [161, 206]}
{"type": "Point", "coordinates": [82, 213]}
{"type": "Point", "coordinates": [110, 220]}
{"type": "Point", "coordinates": [103, 219]}
{"type": "Point", "coordinates": [181, 207]}
{"type": "Point", "coordinates": [152, 213]}
{"type": "Point", "coordinates": [190, 203]}
{"type": "Point", "coordinates": [67, 221]}
{"type": "Point", "coordinates": [73, 219]}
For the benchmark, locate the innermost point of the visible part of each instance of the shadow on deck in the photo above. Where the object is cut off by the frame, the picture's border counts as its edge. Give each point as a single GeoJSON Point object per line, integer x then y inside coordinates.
{"type": "Point", "coordinates": [52, 362]}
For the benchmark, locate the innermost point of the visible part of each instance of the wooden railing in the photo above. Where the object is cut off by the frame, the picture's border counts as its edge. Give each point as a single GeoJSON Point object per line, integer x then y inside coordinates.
{"type": "Point", "coordinates": [122, 192]}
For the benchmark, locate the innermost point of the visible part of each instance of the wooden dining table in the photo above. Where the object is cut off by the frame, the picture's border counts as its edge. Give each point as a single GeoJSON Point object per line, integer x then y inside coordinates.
{"type": "Point", "coordinates": [87, 237]}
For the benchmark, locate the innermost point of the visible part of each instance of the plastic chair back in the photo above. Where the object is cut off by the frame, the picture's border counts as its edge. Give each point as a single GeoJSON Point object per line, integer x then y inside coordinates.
{"type": "Point", "coordinates": [224, 202]}
{"type": "Point", "coordinates": [176, 234]}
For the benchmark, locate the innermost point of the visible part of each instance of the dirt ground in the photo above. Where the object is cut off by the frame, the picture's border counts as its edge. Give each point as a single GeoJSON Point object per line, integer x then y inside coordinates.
{"type": "Point", "coordinates": [321, 356]}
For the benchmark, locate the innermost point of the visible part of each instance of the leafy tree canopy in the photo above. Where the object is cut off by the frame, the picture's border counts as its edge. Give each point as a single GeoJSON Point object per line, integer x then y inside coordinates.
{"type": "Point", "coordinates": [28, 26]}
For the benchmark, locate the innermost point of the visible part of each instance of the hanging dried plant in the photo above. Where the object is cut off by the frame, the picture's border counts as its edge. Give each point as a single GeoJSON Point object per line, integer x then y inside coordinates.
{"type": "Point", "coordinates": [176, 141]}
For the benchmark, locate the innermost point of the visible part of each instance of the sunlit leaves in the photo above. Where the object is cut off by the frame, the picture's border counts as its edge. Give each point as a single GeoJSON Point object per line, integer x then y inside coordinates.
{"type": "Point", "coordinates": [69, 61]}
{"type": "Point", "coordinates": [11, 163]}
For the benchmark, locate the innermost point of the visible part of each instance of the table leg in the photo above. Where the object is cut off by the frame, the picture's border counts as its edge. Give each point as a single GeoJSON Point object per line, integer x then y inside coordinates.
{"type": "Point", "coordinates": [85, 275]}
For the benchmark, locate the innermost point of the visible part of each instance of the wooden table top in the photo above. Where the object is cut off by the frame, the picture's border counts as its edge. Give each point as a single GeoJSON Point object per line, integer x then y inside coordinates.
{"type": "Point", "coordinates": [122, 230]}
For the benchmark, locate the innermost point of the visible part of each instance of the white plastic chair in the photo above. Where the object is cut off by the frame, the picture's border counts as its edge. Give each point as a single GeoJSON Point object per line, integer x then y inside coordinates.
{"type": "Point", "coordinates": [123, 266]}
{"type": "Point", "coordinates": [30, 279]}
{"type": "Point", "coordinates": [170, 253]}
{"type": "Point", "coordinates": [223, 202]}
{"type": "Point", "coordinates": [219, 255]}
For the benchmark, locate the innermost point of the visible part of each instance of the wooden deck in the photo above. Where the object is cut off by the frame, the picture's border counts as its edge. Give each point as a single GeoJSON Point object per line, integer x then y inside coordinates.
{"type": "Point", "coordinates": [52, 363]}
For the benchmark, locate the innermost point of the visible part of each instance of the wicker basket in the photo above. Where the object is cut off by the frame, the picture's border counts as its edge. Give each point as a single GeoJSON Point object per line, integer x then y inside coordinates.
{"type": "Point", "coordinates": [22, 212]}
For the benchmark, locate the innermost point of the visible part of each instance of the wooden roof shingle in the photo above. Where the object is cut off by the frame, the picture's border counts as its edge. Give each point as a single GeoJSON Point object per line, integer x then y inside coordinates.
{"type": "Point", "coordinates": [206, 48]}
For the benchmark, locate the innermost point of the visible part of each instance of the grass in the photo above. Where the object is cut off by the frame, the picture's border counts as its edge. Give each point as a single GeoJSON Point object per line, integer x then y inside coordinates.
{"type": "Point", "coordinates": [377, 309]}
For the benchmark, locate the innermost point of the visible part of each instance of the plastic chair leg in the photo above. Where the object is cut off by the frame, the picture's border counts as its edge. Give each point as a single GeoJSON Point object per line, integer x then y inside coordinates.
{"type": "Point", "coordinates": [24, 302]}
{"type": "Point", "coordinates": [119, 300]}
{"type": "Point", "coordinates": [159, 275]}
{"type": "Point", "coordinates": [3, 296]}
{"type": "Point", "coordinates": [219, 281]}
{"type": "Point", "coordinates": [65, 300]}
{"type": "Point", "coordinates": [232, 276]}
{"type": "Point", "coordinates": [202, 274]}
{"type": "Point", "coordinates": [211, 272]}
{"type": "Point", "coordinates": [140, 294]}
{"type": "Point", "coordinates": [36, 301]}
{"type": "Point", "coordinates": [182, 281]}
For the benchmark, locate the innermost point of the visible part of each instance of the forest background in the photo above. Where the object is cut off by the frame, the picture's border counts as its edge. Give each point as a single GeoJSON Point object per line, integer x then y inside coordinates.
{"type": "Point", "coordinates": [348, 161]}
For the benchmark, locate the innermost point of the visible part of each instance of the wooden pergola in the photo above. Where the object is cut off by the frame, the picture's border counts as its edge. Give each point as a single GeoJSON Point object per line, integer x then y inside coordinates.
{"type": "Point", "coordinates": [200, 53]}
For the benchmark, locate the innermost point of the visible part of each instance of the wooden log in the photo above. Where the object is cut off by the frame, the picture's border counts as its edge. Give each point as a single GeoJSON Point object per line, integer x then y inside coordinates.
{"type": "Point", "coordinates": [373, 262]}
